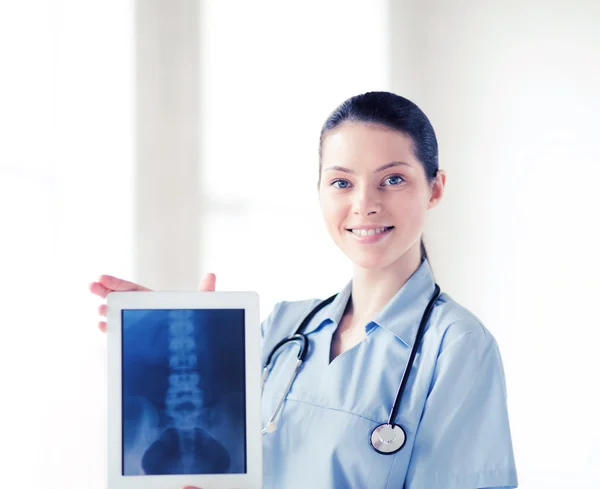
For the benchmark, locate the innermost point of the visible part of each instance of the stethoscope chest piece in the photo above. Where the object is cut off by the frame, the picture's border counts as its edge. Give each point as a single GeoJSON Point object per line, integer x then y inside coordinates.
{"type": "Point", "coordinates": [388, 438]}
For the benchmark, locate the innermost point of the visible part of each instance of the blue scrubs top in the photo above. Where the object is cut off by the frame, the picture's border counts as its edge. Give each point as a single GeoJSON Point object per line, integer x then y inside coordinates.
{"type": "Point", "coordinates": [453, 410]}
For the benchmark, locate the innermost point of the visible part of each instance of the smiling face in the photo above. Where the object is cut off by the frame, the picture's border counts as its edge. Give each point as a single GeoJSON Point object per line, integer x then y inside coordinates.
{"type": "Point", "coordinates": [374, 194]}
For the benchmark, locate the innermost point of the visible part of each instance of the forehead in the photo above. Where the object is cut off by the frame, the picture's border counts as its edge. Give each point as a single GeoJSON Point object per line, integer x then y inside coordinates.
{"type": "Point", "coordinates": [366, 144]}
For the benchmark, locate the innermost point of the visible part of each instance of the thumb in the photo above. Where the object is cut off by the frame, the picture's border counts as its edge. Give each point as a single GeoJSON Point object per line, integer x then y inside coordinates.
{"type": "Point", "coordinates": [208, 283]}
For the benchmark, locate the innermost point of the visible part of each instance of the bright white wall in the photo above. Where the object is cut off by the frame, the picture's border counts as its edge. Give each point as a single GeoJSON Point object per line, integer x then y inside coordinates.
{"type": "Point", "coordinates": [66, 174]}
{"type": "Point", "coordinates": [512, 89]}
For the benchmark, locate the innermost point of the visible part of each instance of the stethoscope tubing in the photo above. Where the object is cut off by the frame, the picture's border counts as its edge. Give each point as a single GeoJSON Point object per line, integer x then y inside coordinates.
{"type": "Point", "coordinates": [398, 440]}
{"type": "Point", "coordinates": [413, 353]}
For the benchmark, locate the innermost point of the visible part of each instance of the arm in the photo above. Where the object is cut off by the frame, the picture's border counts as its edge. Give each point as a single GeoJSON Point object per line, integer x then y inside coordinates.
{"type": "Point", "coordinates": [463, 440]}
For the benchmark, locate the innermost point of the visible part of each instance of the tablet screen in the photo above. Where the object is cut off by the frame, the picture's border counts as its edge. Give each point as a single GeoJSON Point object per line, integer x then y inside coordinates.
{"type": "Point", "coordinates": [183, 392]}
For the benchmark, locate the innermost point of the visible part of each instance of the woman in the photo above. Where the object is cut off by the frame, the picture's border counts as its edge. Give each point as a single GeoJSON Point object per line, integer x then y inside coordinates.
{"type": "Point", "coordinates": [378, 177]}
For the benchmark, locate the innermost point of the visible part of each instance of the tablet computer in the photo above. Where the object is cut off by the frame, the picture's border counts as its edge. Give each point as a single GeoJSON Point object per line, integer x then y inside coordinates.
{"type": "Point", "coordinates": [183, 375]}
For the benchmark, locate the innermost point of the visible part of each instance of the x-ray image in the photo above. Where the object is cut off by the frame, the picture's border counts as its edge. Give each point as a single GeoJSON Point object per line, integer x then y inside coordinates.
{"type": "Point", "coordinates": [183, 392]}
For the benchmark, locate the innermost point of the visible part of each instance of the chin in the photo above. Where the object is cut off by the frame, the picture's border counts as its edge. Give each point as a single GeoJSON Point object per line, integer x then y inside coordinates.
{"type": "Point", "coordinates": [369, 261]}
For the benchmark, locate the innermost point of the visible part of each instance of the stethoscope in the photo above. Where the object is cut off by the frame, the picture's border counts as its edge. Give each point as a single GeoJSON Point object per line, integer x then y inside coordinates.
{"type": "Point", "coordinates": [387, 438]}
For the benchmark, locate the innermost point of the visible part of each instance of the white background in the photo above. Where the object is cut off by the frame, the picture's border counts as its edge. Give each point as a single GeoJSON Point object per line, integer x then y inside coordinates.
{"type": "Point", "coordinates": [512, 91]}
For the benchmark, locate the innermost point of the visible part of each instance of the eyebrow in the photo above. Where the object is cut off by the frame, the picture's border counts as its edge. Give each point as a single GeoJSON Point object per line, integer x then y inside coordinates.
{"type": "Point", "coordinates": [381, 168]}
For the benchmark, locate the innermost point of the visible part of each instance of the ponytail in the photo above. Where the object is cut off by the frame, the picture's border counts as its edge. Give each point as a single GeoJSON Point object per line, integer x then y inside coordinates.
{"type": "Point", "coordinates": [424, 255]}
{"type": "Point", "coordinates": [423, 251]}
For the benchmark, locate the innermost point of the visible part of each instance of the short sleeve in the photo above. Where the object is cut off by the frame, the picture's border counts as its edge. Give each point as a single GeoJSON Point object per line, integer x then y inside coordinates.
{"type": "Point", "coordinates": [463, 440]}
{"type": "Point", "coordinates": [266, 324]}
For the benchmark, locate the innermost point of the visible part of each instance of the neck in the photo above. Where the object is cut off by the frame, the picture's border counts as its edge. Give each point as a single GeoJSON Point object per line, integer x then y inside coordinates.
{"type": "Point", "coordinates": [373, 289]}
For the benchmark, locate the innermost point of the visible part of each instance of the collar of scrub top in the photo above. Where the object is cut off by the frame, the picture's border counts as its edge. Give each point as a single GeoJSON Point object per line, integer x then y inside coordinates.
{"type": "Point", "coordinates": [401, 315]}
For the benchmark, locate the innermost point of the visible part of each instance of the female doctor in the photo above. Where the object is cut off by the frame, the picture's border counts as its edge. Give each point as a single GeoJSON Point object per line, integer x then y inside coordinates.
{"type": "Point", "coordinates": [401, 387]}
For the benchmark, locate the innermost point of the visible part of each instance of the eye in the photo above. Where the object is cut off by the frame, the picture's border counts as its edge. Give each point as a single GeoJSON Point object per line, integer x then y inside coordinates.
{"type": "Point", "coordinates": [394, 180]}
{"type": "Point", "coordinates": [342, 184]}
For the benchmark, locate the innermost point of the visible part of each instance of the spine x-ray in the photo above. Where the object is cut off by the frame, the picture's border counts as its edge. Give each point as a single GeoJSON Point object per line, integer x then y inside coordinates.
{"type": "Point", "coordinates": [183, 392]}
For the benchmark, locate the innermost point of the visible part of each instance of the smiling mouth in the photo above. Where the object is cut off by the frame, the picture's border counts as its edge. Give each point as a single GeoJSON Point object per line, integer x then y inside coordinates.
{"type": "Point", "coordinates": [370, 232]}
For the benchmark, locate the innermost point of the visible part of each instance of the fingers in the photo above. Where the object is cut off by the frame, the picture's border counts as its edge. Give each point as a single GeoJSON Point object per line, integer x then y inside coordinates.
{"type": "Point", "coordinates": [107, 284]}
{"type": "Point", "coordinates": [102, 312]}
{"type": "Point", "coordinates": [208, 283]}
{"type": "Point", "coordinates": [98, 289]}
{"type": "Point", "coordinates": [119, 285]}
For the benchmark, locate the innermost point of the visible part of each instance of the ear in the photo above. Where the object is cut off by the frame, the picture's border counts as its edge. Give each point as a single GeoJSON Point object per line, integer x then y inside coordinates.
{"type": "Point", "coordinates": [437, 189]}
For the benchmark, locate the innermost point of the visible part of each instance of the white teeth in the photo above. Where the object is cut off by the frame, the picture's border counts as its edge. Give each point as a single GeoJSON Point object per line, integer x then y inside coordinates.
{"type": "Point", "coordinates": [370, 232]}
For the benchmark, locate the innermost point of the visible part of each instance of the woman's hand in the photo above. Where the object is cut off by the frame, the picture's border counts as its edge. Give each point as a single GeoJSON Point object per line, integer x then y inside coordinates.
{"type": "Point", "coordinates": [107, 283]}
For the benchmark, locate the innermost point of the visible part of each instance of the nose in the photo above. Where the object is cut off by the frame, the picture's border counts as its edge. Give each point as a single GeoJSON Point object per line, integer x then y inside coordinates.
{"type": "Point", "coordinates": [366, 202]}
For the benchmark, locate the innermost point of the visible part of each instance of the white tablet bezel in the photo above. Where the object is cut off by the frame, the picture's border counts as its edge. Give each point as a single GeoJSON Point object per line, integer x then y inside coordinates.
{"type": "Point", "coordinates": [118, 301]}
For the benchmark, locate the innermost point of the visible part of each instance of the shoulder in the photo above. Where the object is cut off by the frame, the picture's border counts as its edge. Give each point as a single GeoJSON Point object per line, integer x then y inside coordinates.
{"type": "Point", "coordinates": [285, 317]}
{"type": "Point", "coordinates": [466, 350]}
{"type": "Point", "coordinates": [453, 324]}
